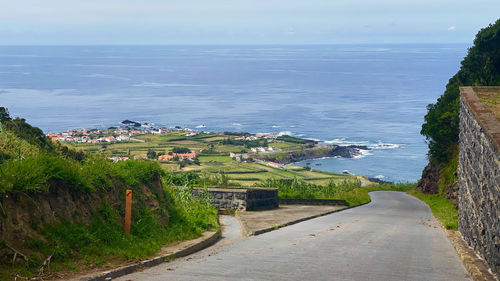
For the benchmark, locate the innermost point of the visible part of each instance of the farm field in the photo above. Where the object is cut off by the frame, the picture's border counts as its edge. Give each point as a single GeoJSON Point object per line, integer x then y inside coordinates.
{"type": "Point", "coordinates": [214, 158]}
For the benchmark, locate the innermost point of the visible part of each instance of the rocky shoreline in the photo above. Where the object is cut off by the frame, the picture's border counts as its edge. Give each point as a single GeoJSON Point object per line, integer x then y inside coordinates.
{"type": "Point", "coordinates": [288, 157]}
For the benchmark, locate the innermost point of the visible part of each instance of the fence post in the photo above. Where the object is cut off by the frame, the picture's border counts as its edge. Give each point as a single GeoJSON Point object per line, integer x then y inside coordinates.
{"type": "Point", "coordinates": [128, 210]}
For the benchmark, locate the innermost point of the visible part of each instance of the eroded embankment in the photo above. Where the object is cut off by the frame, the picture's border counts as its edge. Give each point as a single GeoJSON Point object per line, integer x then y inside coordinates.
{"type": "Point", "coordinates": [24, 216]}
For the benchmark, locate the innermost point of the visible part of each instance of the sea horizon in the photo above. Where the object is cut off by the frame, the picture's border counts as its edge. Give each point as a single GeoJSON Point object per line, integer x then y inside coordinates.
{"type": "Point", "coordinates": [371, 94]}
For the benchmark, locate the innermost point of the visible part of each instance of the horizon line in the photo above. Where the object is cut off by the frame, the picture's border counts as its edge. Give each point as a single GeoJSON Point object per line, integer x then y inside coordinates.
{"type": "Point", "coordinates": [234, 44]}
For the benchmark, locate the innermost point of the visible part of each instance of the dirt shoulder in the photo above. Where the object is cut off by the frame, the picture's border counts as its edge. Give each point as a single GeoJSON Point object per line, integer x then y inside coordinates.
{"type": "Point", "coordinates": [258, 222]}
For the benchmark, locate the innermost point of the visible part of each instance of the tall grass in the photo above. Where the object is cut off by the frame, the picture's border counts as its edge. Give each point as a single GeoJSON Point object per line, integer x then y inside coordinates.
{"type": "Point", "coordinates": [298, 188]}
{"type": "Point", "coordinates": [195, 179]}
{"type": "Point", "coordinates": [35, 174]}
{"type": "Point", "coordinates": [190, 215]}
{"type": "Point", "coordinates": [76, 246]}
{"type": "Point", "coordinates": [350, 191]}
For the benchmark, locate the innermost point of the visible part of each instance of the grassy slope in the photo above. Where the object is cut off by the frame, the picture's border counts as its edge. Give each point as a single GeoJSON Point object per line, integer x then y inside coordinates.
{"type": "Point", "coordinates": [29, 169]}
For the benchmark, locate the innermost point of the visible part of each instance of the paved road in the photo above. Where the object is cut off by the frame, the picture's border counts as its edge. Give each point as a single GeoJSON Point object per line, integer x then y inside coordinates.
{"type": "Point", "coordinates": [393, 238]}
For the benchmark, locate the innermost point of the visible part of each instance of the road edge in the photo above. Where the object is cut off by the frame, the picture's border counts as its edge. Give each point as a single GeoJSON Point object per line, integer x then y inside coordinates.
{"type": "Point", "coordinates": [476, 266]}
{"type": "Point", "coordinates": [208, 239]}
{"type": "Point", "coordinates": [247, 233]}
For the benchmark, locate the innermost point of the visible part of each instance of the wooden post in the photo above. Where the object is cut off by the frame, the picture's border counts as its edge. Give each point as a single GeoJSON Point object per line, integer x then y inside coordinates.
{"type": "Point", "coordinates": [128, 210]}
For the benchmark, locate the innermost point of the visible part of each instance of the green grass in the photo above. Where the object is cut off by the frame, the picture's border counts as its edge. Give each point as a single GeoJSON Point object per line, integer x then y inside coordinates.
{"type": "Point", "coordinates": [215, 159]}
{"type": "Point", "coordinates": [348, 190]}
{"type": "Point", "coordinates": [441, 208]}
{"type": "Point", "coordinates": [447, 174]}
{"type": "Point", "coordinates": [76, 247]}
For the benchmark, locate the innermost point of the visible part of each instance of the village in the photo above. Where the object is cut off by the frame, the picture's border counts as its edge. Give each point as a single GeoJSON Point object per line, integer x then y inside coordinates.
{"type": "Point", "coordinates": [246, 145]}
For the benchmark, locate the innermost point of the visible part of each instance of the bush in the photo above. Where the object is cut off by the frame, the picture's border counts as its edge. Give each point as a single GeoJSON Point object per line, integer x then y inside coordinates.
{"type": "Point", "coordinates": [182, 179]}
{"type": "Point", "coordinates": [479, 68]}
{"type": "Point", "coordinates": [35, 173]}
{"type": "Point", "coordinates": [298, 188]}
{"type": "Point", "coordinates": [190, 215]}
{"type": "Point", "coordinates": [181, 150]}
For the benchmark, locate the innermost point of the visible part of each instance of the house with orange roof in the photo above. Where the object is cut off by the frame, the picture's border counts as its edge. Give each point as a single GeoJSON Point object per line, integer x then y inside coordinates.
{"type": "Point", "coordinates": [165, 157]}
{"type": "Point", "coordinates": [275, 165]}
{"type": "Point", "coordinates": [183, 156]}
{"type": "Point", "coordinates": [140, 156]}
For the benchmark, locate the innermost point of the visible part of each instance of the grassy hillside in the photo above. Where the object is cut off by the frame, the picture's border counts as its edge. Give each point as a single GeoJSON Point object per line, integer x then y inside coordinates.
{"type": "Point", "coordinates": [62, 209]}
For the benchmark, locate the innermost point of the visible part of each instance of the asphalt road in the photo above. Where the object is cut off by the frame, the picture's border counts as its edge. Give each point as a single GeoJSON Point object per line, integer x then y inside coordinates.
{"type": "Point", "coordinates": [395, 237]}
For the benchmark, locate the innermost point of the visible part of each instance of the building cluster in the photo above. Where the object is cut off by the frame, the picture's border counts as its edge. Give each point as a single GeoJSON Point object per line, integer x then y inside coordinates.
{"type": "Point", "coordinates": [94, 135]}
{"type": "Point", "coordinates": [119, 158]}
{"type": "Point", "coordinates": [111, 135]}
{"type": "Point", "coordinates": [181, 156]}
{"type": "Point", "coordinates": [162, 158]}
{"type": "Point", "coordinates": [239, 157]}
{"type": "Point", "coordinates": [264, 149]}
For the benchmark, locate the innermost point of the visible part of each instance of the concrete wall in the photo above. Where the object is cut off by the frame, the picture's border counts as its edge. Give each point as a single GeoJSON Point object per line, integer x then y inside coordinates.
{"type": "Point", "coordinates": [237, 198]}
{"type": "Point", "coordinates": [479, 177]}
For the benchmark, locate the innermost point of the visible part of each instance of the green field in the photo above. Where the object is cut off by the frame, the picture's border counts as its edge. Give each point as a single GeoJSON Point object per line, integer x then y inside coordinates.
{"type": "Point", "coordinates": [215, 158]}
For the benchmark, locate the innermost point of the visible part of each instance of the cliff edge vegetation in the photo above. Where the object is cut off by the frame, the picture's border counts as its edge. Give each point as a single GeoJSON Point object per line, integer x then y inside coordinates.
{"type": "Point", "coordinates": [481, 67]}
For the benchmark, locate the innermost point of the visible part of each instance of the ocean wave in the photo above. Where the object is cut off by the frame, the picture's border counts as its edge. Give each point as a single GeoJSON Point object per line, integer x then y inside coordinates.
{"type": "Point", "coordinates": [379, 177]}
{"type": "Point", "coordinates": [283, 133]}
{"type": "Point", "coordinates": [104, 76]}
{"type": "Point", "coordinates": [385, 146]}
{"type": "Point", "coordinates": [362, 153]}
{"type": "Point", "coordinates": [236, 124]}
{"type": "Point", "coordinates": [371, 145]}
{"type": "Point", "coordinates": [275, 126]}
{"type": "Point", "coordinates": [200, 126]}
{"type": "Point", "coordinates": [161, 85]}
{"type": "Point", "coordinates": [343, 141]}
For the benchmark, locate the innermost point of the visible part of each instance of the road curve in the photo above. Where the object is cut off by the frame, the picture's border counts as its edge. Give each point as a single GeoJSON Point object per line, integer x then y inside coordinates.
{"type": "Point", "coordinates": [395, 237]}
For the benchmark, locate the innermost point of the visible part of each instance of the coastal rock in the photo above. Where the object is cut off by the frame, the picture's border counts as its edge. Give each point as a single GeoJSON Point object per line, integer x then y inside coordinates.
{"type": "Point", "coordinates": [430, 176]}
{"type": "Point", "coordinates": [131, 123]}
{"type": "Point", "coordinates": [349, 151]}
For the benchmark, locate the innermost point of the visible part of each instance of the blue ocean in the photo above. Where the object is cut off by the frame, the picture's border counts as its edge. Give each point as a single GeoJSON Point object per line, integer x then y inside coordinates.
{"type": "Point", "coordinates": [374, 95]}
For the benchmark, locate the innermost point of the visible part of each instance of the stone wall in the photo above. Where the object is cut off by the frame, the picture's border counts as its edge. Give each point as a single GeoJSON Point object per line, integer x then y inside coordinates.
{"type": "Point", "coordinates": [237, 198]}
{"type": "Point", "coordinates": [479, 176]}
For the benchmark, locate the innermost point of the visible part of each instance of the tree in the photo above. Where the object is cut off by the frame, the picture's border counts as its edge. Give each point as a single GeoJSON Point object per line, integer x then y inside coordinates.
{"type": "Point", "coordinates": [4, 115]}
{"type": "Point", "coordinates": [181, 150]}
{"type": "Point", "coordinates": [211, 147]}
{"type": "Point", "coordinates": [481, 67]}
{"type": "Point", "coordinates": [151, 154]}
{"type": "Point", "coordinates": [31, 134]}
{"type": "Point", "coordinates": [196, 161]}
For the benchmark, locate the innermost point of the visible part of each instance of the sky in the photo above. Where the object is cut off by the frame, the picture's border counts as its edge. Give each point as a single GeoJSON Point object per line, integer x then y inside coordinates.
{"type": "Point", "coordinates": [146, 22]}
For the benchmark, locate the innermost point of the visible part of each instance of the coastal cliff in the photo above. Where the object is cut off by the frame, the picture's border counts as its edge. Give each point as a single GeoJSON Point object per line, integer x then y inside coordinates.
{"type": "Point", "coordinates": [441, 127]}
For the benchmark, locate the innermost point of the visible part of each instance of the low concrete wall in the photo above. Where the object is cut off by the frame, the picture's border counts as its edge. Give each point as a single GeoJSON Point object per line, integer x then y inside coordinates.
{"type": "Point", "coordinates": [299, 201]}
{"type": "Point", "coordinates": [238, 198]}
{"type": "Point", "coordinates": [479, 176]}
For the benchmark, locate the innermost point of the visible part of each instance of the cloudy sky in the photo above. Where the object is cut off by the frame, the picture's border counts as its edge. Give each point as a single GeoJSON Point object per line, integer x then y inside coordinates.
{"type": "Point", "coordinates": [56, 22]}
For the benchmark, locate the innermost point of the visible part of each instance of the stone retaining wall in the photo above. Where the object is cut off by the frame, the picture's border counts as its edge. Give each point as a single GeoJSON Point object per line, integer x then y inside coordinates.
{"type": "Point", "coordinates": [237, 198]}
{"type": "Point", "coordinates": [479, 176]}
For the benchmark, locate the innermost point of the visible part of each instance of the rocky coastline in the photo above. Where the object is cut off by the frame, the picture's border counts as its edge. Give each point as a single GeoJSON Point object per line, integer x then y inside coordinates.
{"type": "Point", "coordinates": [349, 151]}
